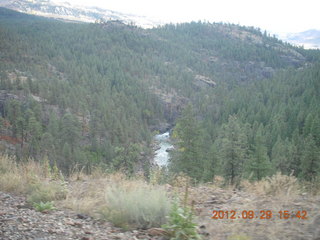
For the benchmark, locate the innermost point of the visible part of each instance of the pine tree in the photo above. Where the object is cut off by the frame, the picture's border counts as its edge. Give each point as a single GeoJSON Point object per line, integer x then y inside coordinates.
{"type": "Point", "coordinates": [315, 130]}
{"type": "Point", "coordinates": [187, 157]}
{"type": "Point", "coordinates": [310, 163]}
{"type": "Point", "coordinates": [259, 164]}
{"type": "Point", "coordinates": [70, 130]}
{"type": "Point", "coordinates": [67, 160]}
{"type": "Point", "coordinates": [47, 144]}
{"type": "Point", "coordinates": [233, 147]}
{"type": "Point", "coordinates": [34, 131]}
{"type": "Point", "coordinates": [282, 152]}
{"type": "Point", "coordinates": [210, 163]}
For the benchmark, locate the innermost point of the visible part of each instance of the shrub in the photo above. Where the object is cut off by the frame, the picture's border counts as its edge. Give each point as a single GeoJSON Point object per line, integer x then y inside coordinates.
{"type": "Point", "coordinates": [29, 177]}
{"type": "Point", "coordinates": [10, 179]}
{"type": "Point", "coordinates": [41, 207]}
{"type": "Point", "coordinates": [46, 191]}
{"type": "Point", "coordinates": [181, 224]}
{"type": "Point", "coordinates": [277, 185]}
{"type": "Point", "coordinates": [136, 205]}
{"type": "Point", "coordinates": [313, 186]}
{"type": "Point", "coordinates": [280, 184]}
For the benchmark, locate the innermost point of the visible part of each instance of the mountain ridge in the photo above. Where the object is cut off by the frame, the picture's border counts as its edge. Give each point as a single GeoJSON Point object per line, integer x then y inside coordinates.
{"type": "Point", "coordinates": [68, 12]}
{"type": "Point", "coordinates": [310, 39]}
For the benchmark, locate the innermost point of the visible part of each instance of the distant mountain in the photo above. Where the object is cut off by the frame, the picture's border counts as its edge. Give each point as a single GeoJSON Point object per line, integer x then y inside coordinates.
{"type": "Point", "coordinates": [309, 38]}
{"type": "Point", "coordinates": [68, 12]}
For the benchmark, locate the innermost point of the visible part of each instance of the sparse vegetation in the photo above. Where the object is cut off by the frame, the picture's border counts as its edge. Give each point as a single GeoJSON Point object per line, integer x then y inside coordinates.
{"type": "Point", "coordinates": [46, 191]}
{"type": "Point", "coordinates": [128, 203]}
{"type": "Point", "coordinates": [44, 206]}
{"type": "Point", "coordinates": [136, 204]}
{"type": "Point", "coordinates": [30, 178]}
{"type": "Point", "coordinates": [276, 185]}
{"type": "Point", "coordinates": [133, 203]}
{"type": "Point", "coordinates": [181, 224]}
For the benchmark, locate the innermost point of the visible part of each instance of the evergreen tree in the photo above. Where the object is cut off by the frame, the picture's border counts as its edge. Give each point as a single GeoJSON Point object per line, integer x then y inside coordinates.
{"type": "Point", "coordinates": [70, 130]}
{"type": "Point", "coordinates": [66, 162]}
{"type": "Point", "coordinates": [187, 157]}
{"type": "Point", "coordinates": [315, 130]}
{"type": "Point", "coordinates": [282, 152]}
{"type": "Point", "coordinates": [259, 164]}
{"type": "Point", "coordinates": [310, 162]}
{"type": "Point", "coordinates": [210, 163]}
{"type": "Point", "coordinates": [233, 147]}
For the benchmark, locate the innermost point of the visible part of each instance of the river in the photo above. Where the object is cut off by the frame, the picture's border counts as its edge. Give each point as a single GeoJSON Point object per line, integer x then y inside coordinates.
{"type": "Point", "coordinates": [162, 156]}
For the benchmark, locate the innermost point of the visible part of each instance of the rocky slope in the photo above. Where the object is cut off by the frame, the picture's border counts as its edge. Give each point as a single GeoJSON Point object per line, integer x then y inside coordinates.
{"type": "Point", "coordinates": [19, 221]}
{"type": "Point", "coordinates": [68, 12]}
{"type": "Point", "coordinates": [208, 200]}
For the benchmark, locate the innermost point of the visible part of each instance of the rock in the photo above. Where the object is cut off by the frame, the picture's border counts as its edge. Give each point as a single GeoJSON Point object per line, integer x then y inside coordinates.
{"type": "Point", "coordinates": [157, 232]}
{"type": "Point", "coordinates": [22, 206]}
{"type": "Point", "coordinates": [85, 238]}
{"type": "Point", "coordinates": [24, 223]}
{"type": "Point", "coordinates": [82, 216]}
{"type": "Point", "coordinates": [203, 81]}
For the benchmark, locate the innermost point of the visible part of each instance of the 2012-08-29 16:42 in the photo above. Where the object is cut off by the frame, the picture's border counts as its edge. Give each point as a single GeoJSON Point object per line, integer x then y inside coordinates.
{"type": "Point", "coordinates": [262, 214]}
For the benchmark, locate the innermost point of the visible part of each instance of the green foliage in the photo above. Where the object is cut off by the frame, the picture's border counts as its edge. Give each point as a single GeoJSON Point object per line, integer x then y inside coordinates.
{"type": "Point", "coordinates": [181, 225]}
{"type": "Point", "coordinates": [310, 162]}
{"type": "Point", "coordinates": [259, 164]}
{"type": "Point", "coordinates": [234, 147]}
{"type": "Point", "coordinates": [126, 158]}
{"type": "Point", "coordinates": [44, 206]}
{"type": "Point", "coordinates": [187, 157]}
{"type": "Point", "coordinates": [139, 206]}
{"type": "Point", "coordinates": [46, 191]}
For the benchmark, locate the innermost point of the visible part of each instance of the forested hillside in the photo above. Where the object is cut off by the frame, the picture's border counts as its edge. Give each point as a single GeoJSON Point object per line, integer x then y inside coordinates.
{"type": "Point", "coordinates": [243, 103]}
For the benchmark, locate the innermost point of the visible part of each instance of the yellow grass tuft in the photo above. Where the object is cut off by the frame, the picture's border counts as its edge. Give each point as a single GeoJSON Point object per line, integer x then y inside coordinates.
{"type": "Point", "coordinates": [30, 178]}
{"type": "Point", "coordinates": [127, 203]}
{"type": "Point", "coordinates": [276, 185]}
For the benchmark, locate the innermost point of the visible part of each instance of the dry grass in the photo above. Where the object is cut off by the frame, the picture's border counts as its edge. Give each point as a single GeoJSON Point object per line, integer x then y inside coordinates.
{"type": "Point", "coordinates": [31, 178]}
{"type": "Point", "coordinates": [136, 204]}
{"type": "Point", "coordinates": [86, 196]}
{"type": "Point", "coordinates": [127, 203]}
{"type": "Point", "coordinates": [87, 192]}
{"type": "Point", "coordinates": [116, 198]}
{"type": "Point", "coordinates": [277, 194]}
{"type": "Point", "coordinates": [282, 186]}
{"type": "Point", "coordinates": [312, 187]}
{"type": "Point", "coordinates": [17, 179]}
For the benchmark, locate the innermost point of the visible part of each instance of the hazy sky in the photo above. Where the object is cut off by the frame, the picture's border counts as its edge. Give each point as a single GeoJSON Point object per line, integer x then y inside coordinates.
{"type": "Point", "coordinates": [276, 16]}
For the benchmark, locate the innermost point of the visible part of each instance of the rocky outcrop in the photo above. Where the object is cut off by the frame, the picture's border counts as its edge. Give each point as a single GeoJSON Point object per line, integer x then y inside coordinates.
{"type": "Point", "coordinates": [5, 96]}
{"type": "Point", "coordinates": [203, 81]}
{"type": "Point", "coordinates": [172, 104]}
